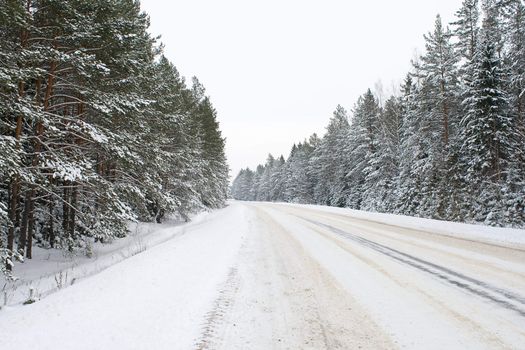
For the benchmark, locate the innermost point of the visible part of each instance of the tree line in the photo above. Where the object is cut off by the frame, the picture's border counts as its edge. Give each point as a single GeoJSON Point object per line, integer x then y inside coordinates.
{"type": "Point", "coordinates": [97, 127]}
{"type": "Point", "coordinates": [449, 145]}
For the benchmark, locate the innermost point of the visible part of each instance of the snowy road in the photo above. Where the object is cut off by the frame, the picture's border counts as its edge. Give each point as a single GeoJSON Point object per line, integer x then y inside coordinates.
{"type": "Point", "coordinates": [272, 276]}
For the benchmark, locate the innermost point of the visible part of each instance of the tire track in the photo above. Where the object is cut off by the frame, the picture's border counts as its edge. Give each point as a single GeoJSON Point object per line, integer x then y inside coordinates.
{"type": "Point", "coordinates": [365, 221]}
{"type": "Point", "coordinates": [502, 297]}
{"type": "Point", "coordinates": [210, 337]}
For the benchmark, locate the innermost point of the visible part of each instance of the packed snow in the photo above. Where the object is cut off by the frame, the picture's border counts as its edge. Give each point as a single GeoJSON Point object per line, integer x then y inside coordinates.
{"type": "Point", "coordinates": [477, 232]}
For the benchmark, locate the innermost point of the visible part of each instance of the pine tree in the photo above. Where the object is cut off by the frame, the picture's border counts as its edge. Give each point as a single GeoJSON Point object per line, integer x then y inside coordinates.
{"type": "Point", "coordinates": [438, 70]}
{"type": "Point", "coordinates": [329, 171]}
{"type": "Point", "coordinates": [388, 158]}
{"type": "Point", "coordinates": [363, 154]}
{"type": "Point", "coordinates": [513, 26]}
{"type": "Point", "coordinates": [263, 191]}
{"type": "Point", "coordinates": [488, 133]}
{"type": "Point", "coordinates": [242, 185]}
{"type": "Point", "coordinates": [85, 109]}
{"type": "Point", "coordinates": [409, 191]}
{"type": "Point", "coordinates": [277, 180]}
{"type": "Point", "coordinates": [437, 101]}
{"type": "Point", "coordinates": [467, 28]}
{"type": "Point", "coordinates": [298, 184]}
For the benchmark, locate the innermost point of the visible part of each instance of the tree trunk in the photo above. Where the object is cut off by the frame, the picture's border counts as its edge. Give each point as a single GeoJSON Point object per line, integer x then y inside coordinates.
{"type": "Point", "coordinates": [31, 226]}
{"type": "Point", "coordinates": [22, 237]}
{"type": "Point", "coordinates": [15, 183]}
{"type": "Point", "coordinates": [65, 208]}
{"type": "Point", "coordinates": [72, 211]}
{"type": "Point", "coordinates": [12, 218]}
{"type": "Point", "coordinates": [51, 224]}
{"type": "Point", "coordinates": [445, 114]}
{"type": "Point", "coordinates": [27, 233]}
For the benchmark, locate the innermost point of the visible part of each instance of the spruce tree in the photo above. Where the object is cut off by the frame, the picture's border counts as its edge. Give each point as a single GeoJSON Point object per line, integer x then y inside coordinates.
{"type": "Point", "coordinates": [363, 152]}
{"type": "Point", "coordinates": [466, 28]}
{"type": "Point", "coordinates": [330, 172]}
{"type": "Point", "coordinates": [489, 135]}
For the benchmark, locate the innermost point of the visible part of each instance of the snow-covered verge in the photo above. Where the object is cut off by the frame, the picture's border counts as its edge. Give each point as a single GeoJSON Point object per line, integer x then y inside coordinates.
{"type": "Point", "coordinates": [482, 233]}
{"type": "Point", "coordinates": [154, 300]}
{"type": "Point", "coordinates": [52, 269]}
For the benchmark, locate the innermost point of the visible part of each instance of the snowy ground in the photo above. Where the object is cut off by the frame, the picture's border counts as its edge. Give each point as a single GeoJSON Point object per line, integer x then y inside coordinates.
{"type": "Point", "coordinates": [275, 276]}
{"type": "Point", "coordinates": [53, 269]}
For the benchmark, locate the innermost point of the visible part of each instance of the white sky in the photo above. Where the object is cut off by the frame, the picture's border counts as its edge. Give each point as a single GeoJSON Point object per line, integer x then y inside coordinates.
{"type": "Point", "coordinates": [276, 69]}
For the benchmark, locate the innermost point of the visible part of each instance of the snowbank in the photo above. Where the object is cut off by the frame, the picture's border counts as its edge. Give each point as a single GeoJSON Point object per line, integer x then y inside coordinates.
{"type": "Point", "coordinates": [52, 269]}
{"type": "Point", "coordinates": [476, 232]}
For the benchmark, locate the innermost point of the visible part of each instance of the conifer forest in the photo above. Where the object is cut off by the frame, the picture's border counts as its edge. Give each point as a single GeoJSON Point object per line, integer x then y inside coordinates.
{"type": "Point", "coordinates": [97, 128]}
{"type": "Point", "coordinates": [450, 145]}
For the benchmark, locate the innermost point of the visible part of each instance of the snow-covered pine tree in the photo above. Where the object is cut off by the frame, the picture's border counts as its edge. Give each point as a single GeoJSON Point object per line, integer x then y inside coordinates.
{"type": "Point", "coordinates": [238, 190]}
{"type": "Point", "coordinates": [172, 153]}
{"type": "Point", "coordinates": [362, 148]}
{"type": "Point", "coordinates": [259, 170]}
{"type": "Point", "coordinates": [329, 170]}
{"type": "Point", "coordinates": [387, 161]}
{"type": "Point", "coordinates": [409, 192]}
{"type": "Point", "coordinates": [489, 135]}
{"type": "Point", "coordinates": [437, 100]}
{"type": "Point", "coordinates": [298, 184]}
{"type": "Point", "coordinates": [277, 180]}
{"type": "Point", "coordinates": [247, 185]}
{"type": "Point", "coordinates": [438, 69]}
{"type": "Point", "coordinates": [512, 24]}
{"type": "Point", "coordinates": [466, 28]}
{"type": "Point", "coordinates": [214, 189]}
{"type": "Point", "coordinates": [85, 109]}
{"type": "Point", "coordinates": [16, 110]}
{"type": "Point", "coordinates": [263, 192]}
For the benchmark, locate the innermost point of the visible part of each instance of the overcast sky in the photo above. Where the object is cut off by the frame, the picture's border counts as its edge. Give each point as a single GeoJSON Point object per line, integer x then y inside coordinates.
{"type": "Point", "coordinates": [276, 69]}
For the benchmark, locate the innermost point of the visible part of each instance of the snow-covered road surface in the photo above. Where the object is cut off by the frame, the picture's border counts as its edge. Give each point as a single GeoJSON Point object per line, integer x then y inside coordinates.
{"type": "Point", "coordinates": [273, 276]}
